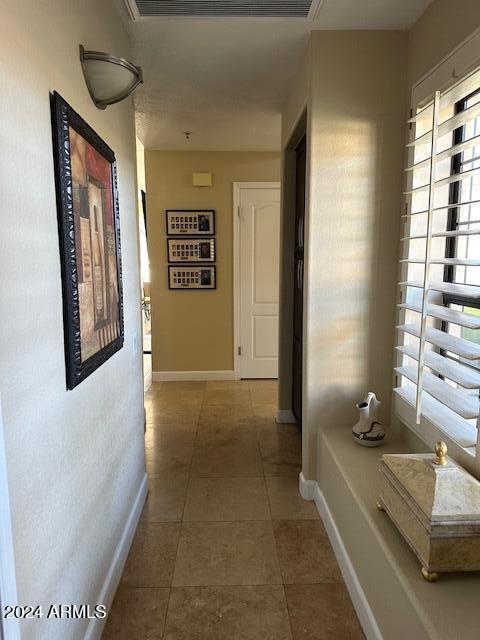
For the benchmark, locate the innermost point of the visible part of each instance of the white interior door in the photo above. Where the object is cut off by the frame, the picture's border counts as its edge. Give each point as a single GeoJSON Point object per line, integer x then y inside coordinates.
{"type": "Point", "coordinates": [258, 281]}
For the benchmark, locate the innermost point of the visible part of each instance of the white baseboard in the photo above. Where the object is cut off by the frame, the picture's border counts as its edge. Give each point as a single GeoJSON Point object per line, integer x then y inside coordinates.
{"type": "Point", "coordinates": [307, 488]}
{"type": "Point", "coordinates": [357, 594]}
{"type": "Point", "coordinates": [166, 376]}
{"type": "Point", "coordinates": [107, 592]}
{"type": "Point", "coordinates": [286, 416]}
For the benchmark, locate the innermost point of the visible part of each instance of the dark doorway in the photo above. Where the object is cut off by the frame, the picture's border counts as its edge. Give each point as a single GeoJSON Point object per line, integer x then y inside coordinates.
{"type": "Point", "coordinates": [298, 280]}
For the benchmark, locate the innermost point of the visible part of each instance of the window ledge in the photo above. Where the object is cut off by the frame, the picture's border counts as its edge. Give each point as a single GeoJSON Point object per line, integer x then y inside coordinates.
{"type": "Point", "coordinates": [403, 604]}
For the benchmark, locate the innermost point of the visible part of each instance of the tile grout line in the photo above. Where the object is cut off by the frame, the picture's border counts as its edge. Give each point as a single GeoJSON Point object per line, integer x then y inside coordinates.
{"type": "Point", "coordinates": [273, 531]}
{"type": "Point", "coordinates": [274, 537]}
{"type": "Point", "coordinates": [181, 520]}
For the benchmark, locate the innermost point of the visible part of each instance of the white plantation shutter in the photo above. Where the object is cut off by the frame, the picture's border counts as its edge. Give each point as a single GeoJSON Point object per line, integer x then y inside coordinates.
{"type": "Point", "coordinates": [437, 368]}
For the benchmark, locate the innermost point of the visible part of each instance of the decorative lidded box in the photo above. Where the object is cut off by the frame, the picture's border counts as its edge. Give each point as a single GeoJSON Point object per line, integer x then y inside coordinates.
{"type": "Point", "coordinates": [435, 504]}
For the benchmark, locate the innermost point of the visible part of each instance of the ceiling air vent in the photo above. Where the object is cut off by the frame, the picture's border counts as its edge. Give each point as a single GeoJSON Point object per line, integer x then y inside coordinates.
{"type": "Point", "coordinates": [221, 8]}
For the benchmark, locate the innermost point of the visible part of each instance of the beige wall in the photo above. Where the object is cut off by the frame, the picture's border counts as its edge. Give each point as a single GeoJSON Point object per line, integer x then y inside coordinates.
{"type": "Point", "coordinates": [297, 98]}
{"type": "Point", "coordinates": [356, 111]}
{"type": "Point", "coordinates": [75, 459]}
{"type": "Point", "coordinates": [193, 330]}
{"type": "Point", "coordinates": [443, 26]}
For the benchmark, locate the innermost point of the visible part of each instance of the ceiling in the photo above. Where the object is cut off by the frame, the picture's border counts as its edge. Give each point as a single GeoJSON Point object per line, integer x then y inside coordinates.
{"type": "Point", "coordinates": [225, 79]}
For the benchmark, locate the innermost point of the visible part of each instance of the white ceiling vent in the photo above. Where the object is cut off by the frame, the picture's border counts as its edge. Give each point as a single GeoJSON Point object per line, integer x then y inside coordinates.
{"type": "Point", "coordinates": [221, 8]}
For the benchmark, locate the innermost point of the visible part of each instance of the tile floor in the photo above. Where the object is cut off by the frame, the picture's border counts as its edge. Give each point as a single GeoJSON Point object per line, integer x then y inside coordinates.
{"type": "Point", "coordinates": [226, 548]}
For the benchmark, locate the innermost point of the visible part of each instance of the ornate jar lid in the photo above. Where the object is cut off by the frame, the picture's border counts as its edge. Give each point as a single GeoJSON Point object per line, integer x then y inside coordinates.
{"type": "Point", "coordinates": [442, 494]}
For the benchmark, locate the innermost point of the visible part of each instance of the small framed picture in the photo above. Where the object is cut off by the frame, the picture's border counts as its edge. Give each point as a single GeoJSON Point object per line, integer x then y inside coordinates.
{"type": "Point", "coordinates": [185, 277]}
{"type": "Point", "coordinates": [191, 249]}
{"type": "Point", "coordinates": [190, 222]}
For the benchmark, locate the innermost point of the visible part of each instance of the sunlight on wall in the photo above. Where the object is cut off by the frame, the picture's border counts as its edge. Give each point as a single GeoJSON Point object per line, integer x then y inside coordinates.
{"type": "Point", "coordinates": [355, 150]}
{"type": "Point", "coordinates": [342, 256]}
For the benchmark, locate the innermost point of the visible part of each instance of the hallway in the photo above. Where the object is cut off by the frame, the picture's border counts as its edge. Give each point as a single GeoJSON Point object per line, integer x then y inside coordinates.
{"type": "Point", "coordinates": [226, 548]}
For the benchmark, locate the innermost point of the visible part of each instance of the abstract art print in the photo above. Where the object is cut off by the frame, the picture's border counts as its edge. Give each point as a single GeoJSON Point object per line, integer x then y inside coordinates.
{"type": "Point", "coordinates": [88, 221]}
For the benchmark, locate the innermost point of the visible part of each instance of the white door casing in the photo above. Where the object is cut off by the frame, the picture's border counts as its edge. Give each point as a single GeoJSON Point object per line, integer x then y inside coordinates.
{"type": "Point", "coordinates": [256, 275]}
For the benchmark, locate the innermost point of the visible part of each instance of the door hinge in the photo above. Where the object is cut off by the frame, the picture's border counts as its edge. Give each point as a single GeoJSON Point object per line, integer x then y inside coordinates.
{"type": "Point", "coordinates": [239, 351]}
{"type": "Point", "coordinates": [239, 211]}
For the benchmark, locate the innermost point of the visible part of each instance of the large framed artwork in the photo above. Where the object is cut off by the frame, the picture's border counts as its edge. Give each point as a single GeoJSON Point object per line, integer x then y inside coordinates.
{"type": "Point", "coordinates": [89, 232]}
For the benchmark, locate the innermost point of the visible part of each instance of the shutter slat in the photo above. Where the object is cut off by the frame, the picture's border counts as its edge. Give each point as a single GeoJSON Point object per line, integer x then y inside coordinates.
{"type": "Point", "coordinates": [470, 291]}
{"type": "Point", "coordinates": [459, 346]}
{"type": "Point", "coordinates": [444, 418]}
{"type": "Point", "coordinates": [456, 177]}
{"type": "Point", "coordinates": [461, 374]}
{"type": "Point", "coordinates": [448, 261]}
{"type": "Point", "coordinates": [467, 320]}
{"type": "Point", "coordinates": [466, 145]}
{"type": "Point", "coordinates": [420, 115]}
{"type": "Point", "coordinates": [458, 120]}
{"type": "Point", "coordinates": [456, 233]}
{"type": "Point", "coordinates": [412, 238]}
{"type": "Point", "coordinates": [459, 400]}
{"type": "Point", "coordinates": [423, 164]}
{"type": "Point", "coordinates": [425, 138]}
{"type": "Point", "coordinates": [444, 207]}
{"type": "Point", "coordinates": [445, 234]}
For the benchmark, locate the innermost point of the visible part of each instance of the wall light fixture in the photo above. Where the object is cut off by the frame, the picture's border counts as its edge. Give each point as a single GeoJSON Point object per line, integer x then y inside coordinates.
{"type": "Point", "coordinates": [109, 79]}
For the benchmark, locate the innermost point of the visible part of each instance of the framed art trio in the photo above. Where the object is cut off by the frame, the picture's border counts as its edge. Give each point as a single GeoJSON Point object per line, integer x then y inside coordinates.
{"type": "Point", "coordinates": [191, 245]}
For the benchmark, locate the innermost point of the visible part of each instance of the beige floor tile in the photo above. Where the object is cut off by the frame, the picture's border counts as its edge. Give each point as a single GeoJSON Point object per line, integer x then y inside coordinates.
{"type": "Point", "coordinates": [280, 444]}
{"type": "Point", "coordinates": [164, 436]}
{"type": "Point", "coordinates": [236, 395]}
{"type": "Point", "coordinates": [285, 500]}
{"type": "Point", "coordinates": [305, 553]}
{"type": "Point", "coordinates": [166, 498]}
{"type": "Point", "coordinates": [172, 397]}
{"type": "Point", "coordinates": [281, 469]}
{"type": "Point", "coordinates": [264, 391]}
{"type": "Point", "coordinates": [228, 414]}
{"type": "Point", "coordinates": [269, 431]}
{"type": "Point", "coordinates": [175, 460]}
{"type": "Point", "coordinates": [137, 614]}
{"type": "Point", "coordinates": [214, 435]}
{"type": "Point", "coordinates": [322, 612]}
{"type": "Point", "coordinates": [264, 413]}
{"type": "Point", "coordinates": [228, 613]}
{"type": "Point", "coordinates": [227, 461]}
{"type": "Point", "coordinates": [215, 499]}
{"type": "Point", "coordinates": [226, 385]}
{"type": "Point", "coordinates": [281, 450]}
{"type": "Point", "coordinates": [151, 560]}
{"type": "Point", "coordinates": [225, 424]}
{"type": "Point", "coordinates": [226, 553]}
{"type": "Point", "coordinates": [184, 385]}
{"type": "Point", "coordinates": [174, 414]}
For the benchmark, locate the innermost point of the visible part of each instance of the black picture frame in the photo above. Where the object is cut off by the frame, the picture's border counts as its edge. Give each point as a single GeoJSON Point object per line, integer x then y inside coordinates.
{"type": "Point", "coordinates": [207, 213]}
{"type": "Point", "coordinates": [204, 252]}
{"type": "Point", "coordinates": [65, 117]}
{"type": "Point", "coordinates": [211, 268]}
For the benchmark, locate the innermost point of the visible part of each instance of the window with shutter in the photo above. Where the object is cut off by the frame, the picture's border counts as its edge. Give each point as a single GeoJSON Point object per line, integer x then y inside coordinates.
{"type": "Point", "coordinates": [438, 350]}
